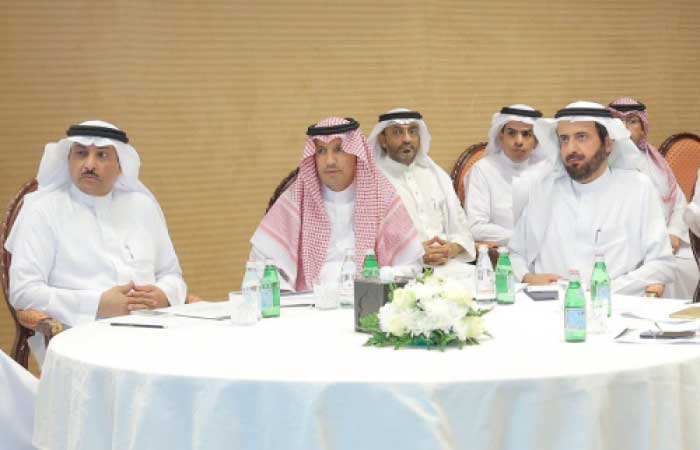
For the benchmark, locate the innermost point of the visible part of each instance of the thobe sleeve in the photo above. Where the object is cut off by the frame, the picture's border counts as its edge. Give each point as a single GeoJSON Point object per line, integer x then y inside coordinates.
{"type": "Point", "coordinates": [32, 263]}
{"type": "Point", "coordinates": [676, 225]}
{"type": "Point", "coordinates": [409, 262]}
{"type": "Point", "coordinates": [167, 268]}
{"type": "Point", "coordinates": [658, 263]}
{"type": "Point", "coordinates": [457, 226]}
{"type": "Point", "coordinates": [691, 215]}
{"type": "Point", "coordinates": [517, 247]}
{"type": "Point", "coordinates": [477, 205]}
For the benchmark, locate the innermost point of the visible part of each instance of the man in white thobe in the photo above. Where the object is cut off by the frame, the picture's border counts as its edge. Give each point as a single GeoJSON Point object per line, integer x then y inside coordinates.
{"type": "Point", "coordinates": [512, 151]}
{"type": "Point", "coordinates": [17, 394]}
{"type": "Point", "coordinates": [691, 215]}
{"type": "Point", "coordinates": [401, 143]}
{"type": "Point", "coordinates": [92, 241]}
{"type": "Point", "coordinates": [634, 115]}
{"type": "Point", "coordinates": [593, 202]}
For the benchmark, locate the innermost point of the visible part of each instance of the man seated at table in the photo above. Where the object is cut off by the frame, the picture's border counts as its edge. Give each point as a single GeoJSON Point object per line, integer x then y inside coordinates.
{"type": "Point", "coordinates": [512, 151]}
{"type": "Point", "coordinates": [92, 241]}
{"type": "Point", "coordinates": [17, 394]}
{"type": "Point", "coordinates": [339, 201]}
{"type": "Point", "coordinates": [594, 201]}
{"type": "Point", "coordinates": [691, 214]}
{"type": "Point", "coordinates": [401, 143]}
{"type": "Point", "coordinates": [634, 115]}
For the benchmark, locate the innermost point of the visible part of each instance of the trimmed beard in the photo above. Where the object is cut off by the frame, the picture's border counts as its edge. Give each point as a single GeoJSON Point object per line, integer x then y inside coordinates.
{"type": "Point", "coordinates": [586, 170]}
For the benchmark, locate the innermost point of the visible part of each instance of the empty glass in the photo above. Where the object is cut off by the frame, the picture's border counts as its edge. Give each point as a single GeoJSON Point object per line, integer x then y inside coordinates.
{"type": "Point", "coordinates": [326, 295]}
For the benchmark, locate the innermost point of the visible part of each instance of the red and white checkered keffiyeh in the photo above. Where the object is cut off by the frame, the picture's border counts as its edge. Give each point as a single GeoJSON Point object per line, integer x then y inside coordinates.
{"type": "Point", "coordinates": [298, 226]}
{"type": "Point", "coordinates": [668, 195]}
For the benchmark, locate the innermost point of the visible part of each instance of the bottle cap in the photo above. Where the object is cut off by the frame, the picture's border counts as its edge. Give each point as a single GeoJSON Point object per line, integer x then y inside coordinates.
{"type": "Point", "coordinates": [369, 251]}
{"type": "Point", "coordinates": [251, 265]}
{"type": "Point", "coordinates": [386, 274]}
{"type": "Point", "coordinates": [502, 249]}
{"type": "Point", "coordinates": [574, 275]}
{"type": "Point", "coordinates": [483, 248]}
{"type": "Point", "coordinates": [599, 257]}
{"type": "Point", "coordinates": [269, 262]}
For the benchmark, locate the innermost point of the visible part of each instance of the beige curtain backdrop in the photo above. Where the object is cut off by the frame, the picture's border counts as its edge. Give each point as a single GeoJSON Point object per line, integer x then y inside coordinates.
{"type": "Point", "coordinates": [216, 95]}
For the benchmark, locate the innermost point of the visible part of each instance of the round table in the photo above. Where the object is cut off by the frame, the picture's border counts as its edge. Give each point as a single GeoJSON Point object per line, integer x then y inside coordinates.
{"type": "Point", "coordinates": [305, 381]}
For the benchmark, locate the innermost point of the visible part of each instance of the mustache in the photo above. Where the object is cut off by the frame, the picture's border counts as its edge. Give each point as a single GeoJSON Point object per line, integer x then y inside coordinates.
{"type": "Point", "coordinates": [575, 157]}
{"type": "Point", "coordinates": [407, 146]}
{"type": "Point", "coordinates": [89, 173]}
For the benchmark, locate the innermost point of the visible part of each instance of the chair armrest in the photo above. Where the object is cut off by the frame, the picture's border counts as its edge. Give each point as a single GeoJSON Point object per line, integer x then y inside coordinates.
{"type": "Point", "coordinates": [39, 322]}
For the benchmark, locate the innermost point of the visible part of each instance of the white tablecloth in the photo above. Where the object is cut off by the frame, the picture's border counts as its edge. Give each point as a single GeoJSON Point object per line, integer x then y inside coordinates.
{"type": "Point", "coordinates": [305, 381]}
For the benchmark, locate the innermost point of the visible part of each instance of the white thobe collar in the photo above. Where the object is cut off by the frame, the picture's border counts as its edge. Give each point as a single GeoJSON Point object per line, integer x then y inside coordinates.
{"type": "Point", "coordinates": [342, 197]}
{"type": "Point", "coordinates": [397, 169]}
{"type": "Point", "coordinates": [599, 183]}
{"type": "Point", "coordinates": [93, 202]}
{"type": "Point", "coordinates": [510, 164]}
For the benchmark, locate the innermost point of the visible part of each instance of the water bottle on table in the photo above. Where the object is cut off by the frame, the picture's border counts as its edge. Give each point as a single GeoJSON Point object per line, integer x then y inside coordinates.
{"type": "Point", "coordinates": [485, 278]}
{"type": "Point", "coordinates": [505, 281]}
{"type": "Point", "coordinates": [270, 291]}
{"type": "Point", "coordinates": [347, 279]}
{"type": "Point", "coordinates": [245, 309]}
{"type": "Point", "coordinates": [574, 310]}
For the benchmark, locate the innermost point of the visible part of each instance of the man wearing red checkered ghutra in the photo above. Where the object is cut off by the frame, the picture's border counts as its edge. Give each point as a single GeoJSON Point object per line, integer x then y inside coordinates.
{"type": "Point", "coordinates": [339, 201]}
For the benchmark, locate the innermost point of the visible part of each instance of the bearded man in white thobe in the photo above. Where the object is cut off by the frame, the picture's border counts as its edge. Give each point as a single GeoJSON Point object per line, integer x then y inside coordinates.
{"type": "Point", "coordinates": [92, 241]}
{"type": "Point", "coordinates": [401, 143]}
{"type": "Point", "coordinates": [513, 151]}
{"type": "Point", "coordinates": [593, 202]}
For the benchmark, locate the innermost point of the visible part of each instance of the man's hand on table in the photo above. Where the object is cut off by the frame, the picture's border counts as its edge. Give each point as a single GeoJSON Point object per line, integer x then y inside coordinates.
{"type": "Point", "coordinates": [654, 290]}
{"type": "Point", "coordinates": [116, 301]}
{"type": "Point", "coordinates": [439, 251]}
{"type": "Point", "coordinates": [538, 279]}
{"type": "Point", "coordinates": [147, 297]}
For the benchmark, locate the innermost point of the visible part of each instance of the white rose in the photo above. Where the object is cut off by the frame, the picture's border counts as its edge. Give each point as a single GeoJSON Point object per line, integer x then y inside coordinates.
{"type": "Point", "coordinates": [476, 326]}
{"type": "Point", "coordinates": [403, 299]}
{"type": "Point", "coordinates": [419, 323]}
{"type": "Point", "coordinates": [391, 320]}
{"type": "Point", "coordinates": [469, 327]}
{"type": "Point", "coordinates": [442, 314]}
{"type": "Point", "coordinates": [425, 292]}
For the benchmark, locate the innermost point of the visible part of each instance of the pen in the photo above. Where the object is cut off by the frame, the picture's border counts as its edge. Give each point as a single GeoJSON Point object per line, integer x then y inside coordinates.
{"type": "Point", "coordinates": [135, 325]}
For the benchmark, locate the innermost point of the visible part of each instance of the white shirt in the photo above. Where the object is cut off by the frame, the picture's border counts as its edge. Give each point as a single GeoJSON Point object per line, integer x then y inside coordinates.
{"type": "Point", "coordinates": [71, 247]}
{"type": "Point", "coordinates": [17, 395]}
{"type": "Point", "coordinates": [431, 202]}
{"type": "Point", "coordinates": [619, 214]}
{"type": "Point", "coordinates": [692, 211]}
{"type": "Point", "coordinates": [488, 199]}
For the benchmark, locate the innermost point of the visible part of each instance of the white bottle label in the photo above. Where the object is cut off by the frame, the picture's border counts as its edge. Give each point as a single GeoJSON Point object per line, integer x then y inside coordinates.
{"type": "Point", "coordinates": [575, 319]}
{"type": "Point", "coordinates": [266, 298]}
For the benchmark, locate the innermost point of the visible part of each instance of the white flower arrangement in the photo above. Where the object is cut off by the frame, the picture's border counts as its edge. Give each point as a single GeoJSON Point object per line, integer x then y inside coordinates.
{"type": "Point", "coordinates": [430, 312]}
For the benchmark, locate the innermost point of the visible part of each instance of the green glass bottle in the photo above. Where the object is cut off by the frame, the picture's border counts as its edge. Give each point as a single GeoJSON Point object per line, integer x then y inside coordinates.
{"type": "Point", "coordinates": [370, 268]}
{"type": "Point", "coordinates": [505, 281]}
{"type": "Point", "coordinates": [600, 283]}
{"type": "Point", "coordinates": [270, 291]}
{"type": "Point", "coordinates": [574, 310]}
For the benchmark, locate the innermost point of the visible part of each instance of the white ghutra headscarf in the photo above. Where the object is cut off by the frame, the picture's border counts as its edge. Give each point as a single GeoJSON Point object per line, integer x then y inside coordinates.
{"type": "Point", "coordinates": [54, 169]}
